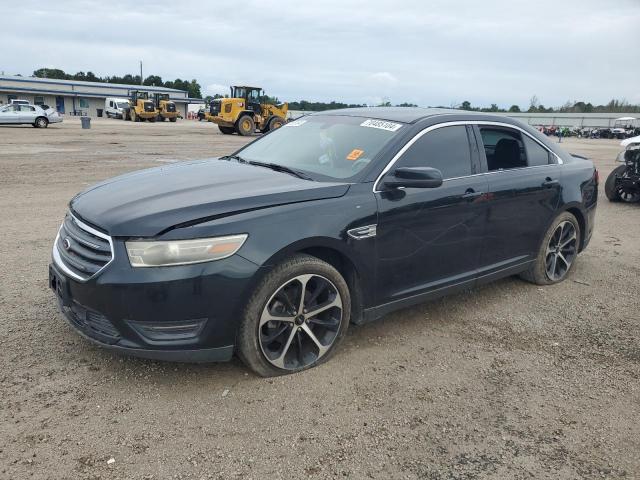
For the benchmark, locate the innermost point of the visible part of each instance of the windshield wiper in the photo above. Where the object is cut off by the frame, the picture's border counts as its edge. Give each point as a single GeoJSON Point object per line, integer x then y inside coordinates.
{"type": "Point", "coordinates": [233, 157]}
{"type": "Point", "coordinates": [281, 168]}
{"type": "Point", "coordinates": [273, 166]}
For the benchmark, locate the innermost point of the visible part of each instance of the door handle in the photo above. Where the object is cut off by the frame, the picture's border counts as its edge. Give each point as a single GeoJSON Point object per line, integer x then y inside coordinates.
{"type": "Point", "coordinates": [470, 194]}
{"type": "Point", "coordinates": [549, 182]}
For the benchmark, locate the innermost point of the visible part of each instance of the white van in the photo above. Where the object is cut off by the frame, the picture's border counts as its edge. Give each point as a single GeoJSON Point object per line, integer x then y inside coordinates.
{"type": "Point", "coordinates": [113, 107]}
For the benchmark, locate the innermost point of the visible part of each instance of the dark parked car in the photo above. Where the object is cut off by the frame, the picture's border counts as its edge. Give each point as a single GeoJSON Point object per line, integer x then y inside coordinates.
{"type": "Point", "coordinates": [336, 218]}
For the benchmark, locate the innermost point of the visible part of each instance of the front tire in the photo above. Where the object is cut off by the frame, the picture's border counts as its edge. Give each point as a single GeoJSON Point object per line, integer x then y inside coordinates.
{"type": "Point", "coordinates": [227, 130]}
{"type": "Point", "coordinates": [245, 126]}
{"type": "Point", "coordinates": [558, 252]}
{"type": "Point", "coordinates": [295, 318]}
{"type": "Point", "coordinates": [617, 193]}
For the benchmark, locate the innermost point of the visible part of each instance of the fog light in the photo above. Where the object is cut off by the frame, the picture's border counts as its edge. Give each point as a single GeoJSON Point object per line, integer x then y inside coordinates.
{"type": "Point", "coordinates": [169, 331]}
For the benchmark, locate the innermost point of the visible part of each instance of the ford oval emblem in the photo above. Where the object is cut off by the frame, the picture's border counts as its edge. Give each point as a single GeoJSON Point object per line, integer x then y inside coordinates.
{"type": "Point", "coordinates": [66, 243]}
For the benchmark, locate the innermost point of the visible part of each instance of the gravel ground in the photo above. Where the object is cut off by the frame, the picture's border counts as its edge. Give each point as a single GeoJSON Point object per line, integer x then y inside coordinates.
{"type": "Point", "coordinates": [507, 381]}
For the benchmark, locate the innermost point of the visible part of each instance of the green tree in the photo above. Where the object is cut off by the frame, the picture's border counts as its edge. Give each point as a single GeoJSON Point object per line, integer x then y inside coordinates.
{"type": "Point", "coordinates": [54, 73]}
{"type": "Point", "coordinates": [153, 80]}
{"type": "Point", "coordinates": [514, 108]}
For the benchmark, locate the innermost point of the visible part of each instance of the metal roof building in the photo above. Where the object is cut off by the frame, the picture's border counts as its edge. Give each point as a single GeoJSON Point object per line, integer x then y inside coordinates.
{"type": "Point", "coordinates": [72, 97]}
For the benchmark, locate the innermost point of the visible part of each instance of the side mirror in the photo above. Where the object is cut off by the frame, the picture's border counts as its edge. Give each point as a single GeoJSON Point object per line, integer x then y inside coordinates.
{"type": "Point", "coordinates": [414, 177]}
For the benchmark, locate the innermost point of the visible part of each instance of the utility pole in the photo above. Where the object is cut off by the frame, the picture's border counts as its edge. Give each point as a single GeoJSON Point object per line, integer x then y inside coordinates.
{"type": "Point", "coordinates": [140, 72]}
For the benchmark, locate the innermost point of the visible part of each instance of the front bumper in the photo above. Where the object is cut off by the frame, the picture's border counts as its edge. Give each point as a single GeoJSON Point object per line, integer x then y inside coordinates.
{"type": "Point", "coordinates": [186, 313]}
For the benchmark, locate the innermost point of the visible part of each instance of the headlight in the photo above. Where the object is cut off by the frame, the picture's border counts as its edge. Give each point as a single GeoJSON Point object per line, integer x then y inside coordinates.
{"type": "Point", "coordinates": [182, 252]}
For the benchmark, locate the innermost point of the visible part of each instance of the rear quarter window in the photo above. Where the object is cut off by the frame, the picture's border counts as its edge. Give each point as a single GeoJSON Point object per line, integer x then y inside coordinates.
{"type": "Point", "coordinates": [536, 154]}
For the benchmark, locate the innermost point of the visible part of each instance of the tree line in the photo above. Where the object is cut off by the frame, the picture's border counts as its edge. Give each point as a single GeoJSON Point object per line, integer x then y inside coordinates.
{"type": "Point", "coordinates": [192, 87]}
{"type": "Point", "coordinates": [614, 106]}
{"type": "Point", "coordinates": [194, 90]}
{"type": "Point", "coordinates": [313, 106]}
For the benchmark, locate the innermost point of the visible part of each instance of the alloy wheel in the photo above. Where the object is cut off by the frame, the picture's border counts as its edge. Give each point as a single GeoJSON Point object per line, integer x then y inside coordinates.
{"type": "Point", "coordinates": [561, 250]}
{"type": "Point", "coordinates": [300, 322]}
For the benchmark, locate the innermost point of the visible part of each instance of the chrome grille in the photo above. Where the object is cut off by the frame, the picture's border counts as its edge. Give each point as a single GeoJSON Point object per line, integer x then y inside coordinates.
{"type": "Point", "coordinates": [80, 250]}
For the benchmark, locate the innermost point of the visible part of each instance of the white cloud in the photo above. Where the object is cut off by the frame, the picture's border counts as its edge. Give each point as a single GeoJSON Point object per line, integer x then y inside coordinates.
{"type": "Point", "coordinates": [384, 79]}
{"type": "Point", "coordinates": [214, 88]}
{"type": "Point", "coordinates": [338, 50]}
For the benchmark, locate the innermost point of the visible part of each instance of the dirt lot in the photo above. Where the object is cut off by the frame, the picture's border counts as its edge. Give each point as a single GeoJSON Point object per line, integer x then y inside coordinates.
{"type": "Point", "coordinates": [507, 381]}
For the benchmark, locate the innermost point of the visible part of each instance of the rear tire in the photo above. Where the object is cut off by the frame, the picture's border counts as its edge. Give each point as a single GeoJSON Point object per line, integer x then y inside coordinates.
{"type": "Point", "coordinates": [275, 123]}
{"type": "Point", "coordinates": [245, 126]}
{"type": "Point", "coordinates": [610, 185]}
{"type": "Point", "coordinates": [301, 340]}
{"type": "Point", "coordinates": [41, 122]}
{"type": "Point", "coordinates": [227, 130]}
{"type": "Point", "coordinates": [558, 252]}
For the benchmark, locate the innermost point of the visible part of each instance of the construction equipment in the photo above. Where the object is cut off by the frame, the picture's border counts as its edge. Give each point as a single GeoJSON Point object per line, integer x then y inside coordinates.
{"type": "Point", "coordinates": [246, 111]}
{"type": "Point", "coordinates": [140, 108]}
{"type": "Point", "coordinates": [166, 108]}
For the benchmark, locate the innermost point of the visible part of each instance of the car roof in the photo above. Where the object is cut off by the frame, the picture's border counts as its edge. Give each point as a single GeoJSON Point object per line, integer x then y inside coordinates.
{"type": "Point", "coordinates": [397, 114]}
{"type": "Point", "coordinates": [416, 114]}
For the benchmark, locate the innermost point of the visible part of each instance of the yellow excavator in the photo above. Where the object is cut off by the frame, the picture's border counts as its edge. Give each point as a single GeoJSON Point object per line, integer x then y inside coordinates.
{"type": "Point", "coordinates": [140, 108]}
{"type": "Point", "coordinates": [245, 111]}
{"type": "Point", "coordinates": [166, 108]}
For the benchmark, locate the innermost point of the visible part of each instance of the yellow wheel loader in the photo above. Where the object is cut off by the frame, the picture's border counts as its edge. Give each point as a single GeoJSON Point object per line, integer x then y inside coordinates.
{"type": "Point", "coordinates": [166, 108]}
{"type": "Point", "coordinates": [140, 108]}
{"type": "Point", "coordinates": [246, 111]}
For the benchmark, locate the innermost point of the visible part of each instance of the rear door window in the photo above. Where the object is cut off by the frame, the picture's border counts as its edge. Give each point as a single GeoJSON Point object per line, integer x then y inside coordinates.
{"type": "Point", "coordinates": [503, 148]}
{"type": "Point", "coordinates": [446, 149]}
{"type": "Point", "coordinates": [506, 148]}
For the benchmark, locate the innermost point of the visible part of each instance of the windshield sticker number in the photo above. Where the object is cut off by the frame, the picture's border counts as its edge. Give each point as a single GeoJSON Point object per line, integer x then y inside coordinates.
{"type": "Point", "coordinates": [295, 123]}
{"type": "Point", "coordinates": [381, 124]}
{"type": "Point", "coordinates": [355, 154]}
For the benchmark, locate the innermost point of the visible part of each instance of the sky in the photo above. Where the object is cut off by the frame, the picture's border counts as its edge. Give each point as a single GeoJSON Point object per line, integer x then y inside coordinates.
{"type": "Point", "coordinates": [425, 52]}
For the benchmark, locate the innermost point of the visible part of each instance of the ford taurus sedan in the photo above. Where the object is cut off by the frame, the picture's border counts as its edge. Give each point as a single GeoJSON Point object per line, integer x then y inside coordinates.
{"type": "Point", "coordinates": [336, 218]}
{"type": "Point", "coordinates": [24, 114]}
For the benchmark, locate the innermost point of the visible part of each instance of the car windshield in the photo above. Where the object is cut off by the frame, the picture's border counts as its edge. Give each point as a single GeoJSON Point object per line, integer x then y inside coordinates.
{"type": "Point", "coordinates": [333, 146]}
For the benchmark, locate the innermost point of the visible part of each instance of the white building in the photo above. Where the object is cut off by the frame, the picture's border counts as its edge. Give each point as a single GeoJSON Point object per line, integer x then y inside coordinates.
{"type": "Point", "coordinates": [72, 97]}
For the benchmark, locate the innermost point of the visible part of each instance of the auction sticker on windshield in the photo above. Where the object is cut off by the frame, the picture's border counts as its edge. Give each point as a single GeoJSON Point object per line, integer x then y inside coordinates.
{"type": "Point", "coordinates": [381, 124]}
{"type": "Point", "coordinates": [355, 154]}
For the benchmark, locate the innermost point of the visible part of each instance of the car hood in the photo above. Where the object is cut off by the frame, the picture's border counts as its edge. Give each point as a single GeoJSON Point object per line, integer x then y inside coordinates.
{"type": "Point", "coordinates": [148, 202]}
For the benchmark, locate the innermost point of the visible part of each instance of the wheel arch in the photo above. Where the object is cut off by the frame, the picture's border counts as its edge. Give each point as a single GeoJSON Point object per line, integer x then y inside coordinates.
{"type": "Point", "coordinates": [335, 254]}
{"type": "Point", "coordinates": [576, 211]}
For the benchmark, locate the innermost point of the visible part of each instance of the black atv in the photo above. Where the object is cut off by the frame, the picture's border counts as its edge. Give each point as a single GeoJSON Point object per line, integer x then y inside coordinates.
{"type": "Point", "coordinates": [623, 183]}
